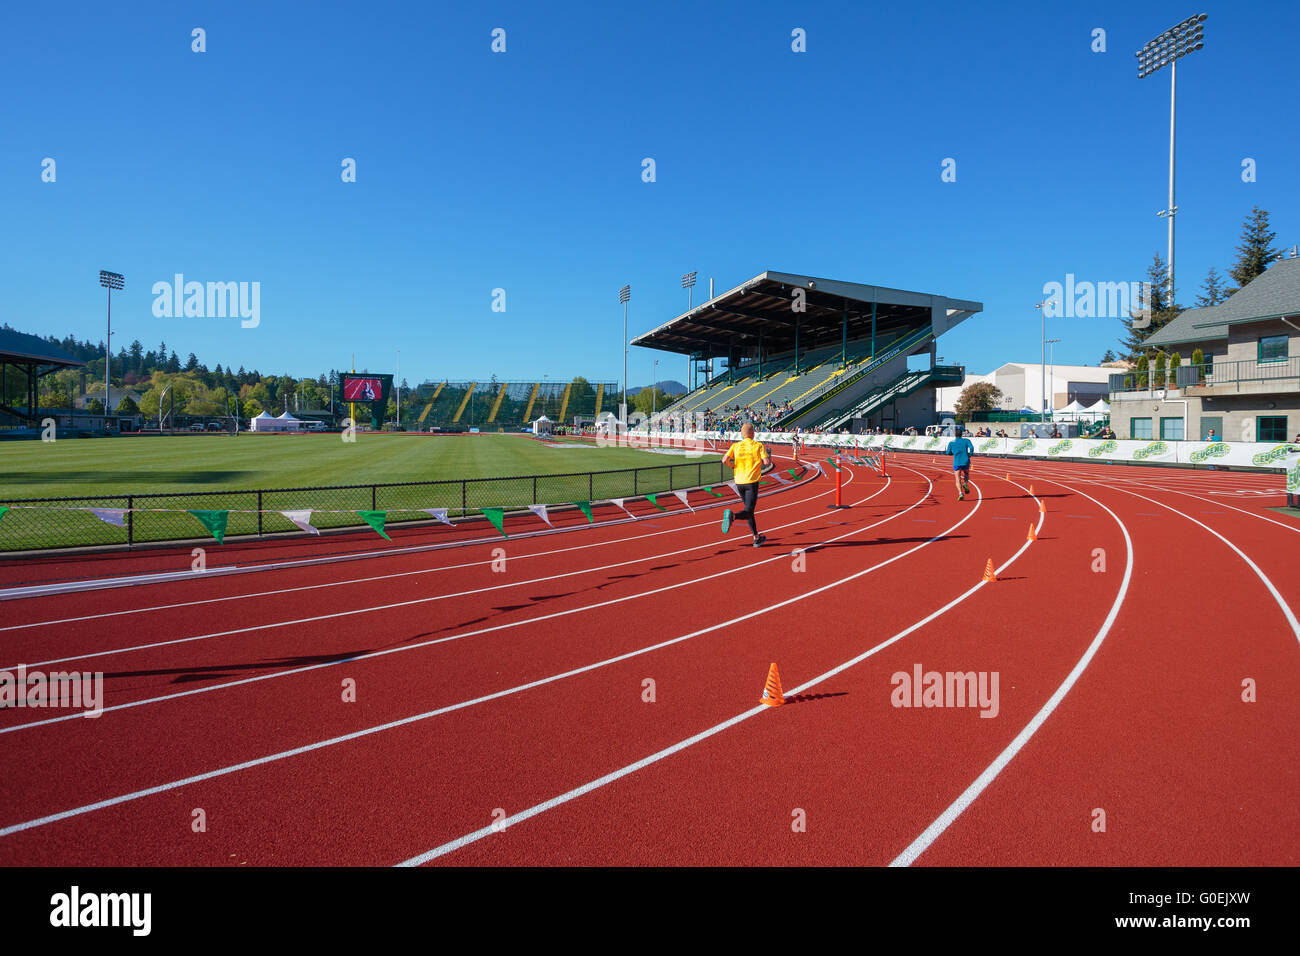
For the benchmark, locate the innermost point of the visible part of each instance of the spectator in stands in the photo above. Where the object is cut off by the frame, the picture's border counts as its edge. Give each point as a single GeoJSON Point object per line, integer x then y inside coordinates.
{"type": "Point", "coordinates": [1056, 432]}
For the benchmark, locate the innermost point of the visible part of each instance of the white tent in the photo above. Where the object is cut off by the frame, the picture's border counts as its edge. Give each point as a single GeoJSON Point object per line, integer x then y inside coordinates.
{"type": "Point", "coordinates": [1101, 408]}
{"type": "Point", "coordinates": [543, 426]}
{"type": "Point", "coordinates": [264, 422]}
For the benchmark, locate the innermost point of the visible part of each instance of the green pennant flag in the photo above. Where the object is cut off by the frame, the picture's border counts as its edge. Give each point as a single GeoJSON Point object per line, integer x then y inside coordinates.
{"type": "Point", "coordinates": [710, 490]}
{"type": "Point", "coordinates": [498, 517]}
{"type": "Point", "coordinates": [215, 522]}
{"type": "Point", "coordinates": [2, 512]}
{"type": "Point", "coordinates": [376, 520]}
{"type": "Point", "coordinates": [651, 499]}
{"type": "Point", "coordinates": [793, 473]}
{"type": "Point", "coordinates": [831, 462]}
{"type": "Point", "coordinates": [585, 508]}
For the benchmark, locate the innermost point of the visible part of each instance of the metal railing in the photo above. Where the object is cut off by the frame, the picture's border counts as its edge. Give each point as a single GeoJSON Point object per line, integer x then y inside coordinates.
{"type": "Point", "coordinates": [38, 523]}
{"type": "Point", "coordinates": [1283, 372]}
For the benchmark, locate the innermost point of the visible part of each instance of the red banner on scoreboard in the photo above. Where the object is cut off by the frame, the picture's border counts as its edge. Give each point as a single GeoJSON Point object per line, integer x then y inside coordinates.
{"type": "Point", "coordinates": [362, 389]}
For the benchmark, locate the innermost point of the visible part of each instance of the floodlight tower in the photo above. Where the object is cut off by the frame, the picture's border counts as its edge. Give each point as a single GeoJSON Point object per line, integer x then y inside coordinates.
{"type": "Point", "coordinates": [688, 283]}
{"type": "Point", "coordinates": [1166, 50]}
{"type": "Point", "coordinates": [624, 294]}
{"type": "Point", "coordinates": [110, 281]}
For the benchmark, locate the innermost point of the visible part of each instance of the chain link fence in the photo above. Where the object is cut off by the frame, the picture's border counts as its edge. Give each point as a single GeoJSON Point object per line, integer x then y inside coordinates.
{"type": "Point", "coordinates": [38, 523]}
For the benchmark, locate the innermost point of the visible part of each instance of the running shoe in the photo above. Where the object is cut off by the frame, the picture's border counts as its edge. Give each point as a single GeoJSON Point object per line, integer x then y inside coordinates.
{"type": "Point", "coordinates": [758, 542]}
{"type": "Point", "coordinates": [726, 520]}
{"type": "Point", "coordinates": [961, 496]}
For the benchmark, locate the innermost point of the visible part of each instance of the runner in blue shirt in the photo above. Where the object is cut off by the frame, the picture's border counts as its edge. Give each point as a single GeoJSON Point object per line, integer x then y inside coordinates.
{"type": "Point", "coordinates": [961, 449]}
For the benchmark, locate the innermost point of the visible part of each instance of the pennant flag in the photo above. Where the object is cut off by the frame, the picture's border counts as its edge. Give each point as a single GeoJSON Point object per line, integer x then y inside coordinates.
{"type": "Point", "coordinates": [831, 462]}
{"type": "Point", "coordinates": [540, 511]}
{"type": "Point", "coordinates": [585, 508]}
{"type": "Point", "coordinates": [114, 516]}
{"type": "Point", "coordinates": [732, 486]}
{"type": "Point", "coordinates": [681, 495]}
{"type": "Point", "coordinates": [655, 503]}
{"type": "Point", "coordinates": [301, 518]}
{"type": "Point", "coordinates": [2, 512]}
{"type": "Point", "coordinates": [709, 489]}
{"type": "Point", "coordinates": [376, 520]}
{"type": "Point", "coordinates": [619, 502]}
{"type": "Point", "coordinates": [777, 476]}
{"type": "Point", "coordinates": [439, 513]}
{"type": "Point", "coordinates": [498, 517]}
{"type": "Point", "coordinates": [793, 474]}
{"type": "Point", "coordinates": [214, 521]}
{"type": "Point", "coordinates": [820, 471]}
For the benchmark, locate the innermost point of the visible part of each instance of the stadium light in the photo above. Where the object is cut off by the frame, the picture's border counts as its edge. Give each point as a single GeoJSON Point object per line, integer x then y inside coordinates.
{"type": "Point", "coordinates": [624, 294]}
{"type": "Point", "coordinates": [1166, 50]}
{"type": "Point", "coordinates": [1051, 364]}
{"type": "Point", "coordinates": [1042, 367]}
{"type": "Point", "coordinates": [688, 283]}
{"type": "Point", "coordinates": [110, 281]}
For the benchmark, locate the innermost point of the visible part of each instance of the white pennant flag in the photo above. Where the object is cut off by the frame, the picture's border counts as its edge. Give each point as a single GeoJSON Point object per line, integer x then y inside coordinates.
{"type": "Point", "coordinates": [732, 486]}
{"type": "Point", "coordinates": [777, 475]}
{"type": "Point", "coordinates": [114, 516]}
{"type": "Point", "coordinates": [302, 519]}
{"type": "Point", "coordinates": [619, 502]}
{"type": "Point", "coordinates": [540, 511]}
{"type": "Point", "coordinates": [439, 513]}
{"type": "Point", "coordinates": [818, 466]}
{"type": "Point", "coordinates": [681, 495]}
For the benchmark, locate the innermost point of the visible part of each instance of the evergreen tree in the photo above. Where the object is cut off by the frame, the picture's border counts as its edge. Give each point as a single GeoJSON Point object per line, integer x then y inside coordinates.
{"type": "Point", "coordinates": [173, 363]}
{"type": "Point", "coordinates": [1109, 357]}
{"type": "Point", "coordinates": [1213, 291]}
{"type": "Point", "coordinates": [1157, 303]}
{"type": "Point", "coordinates": [1256, 252]}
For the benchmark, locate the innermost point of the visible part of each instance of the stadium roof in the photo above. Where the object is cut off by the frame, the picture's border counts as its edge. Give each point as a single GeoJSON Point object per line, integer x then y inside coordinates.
{"type": "Point", "coordinates": [763, 306]}
{"type": "Point", "coordinates": [1273, 293]}
{"type": "Point", "coordinates": [19, 348]}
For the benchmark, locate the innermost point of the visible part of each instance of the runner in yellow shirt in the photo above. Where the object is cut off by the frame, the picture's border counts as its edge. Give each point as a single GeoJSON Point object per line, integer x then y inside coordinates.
{"type": "Point", "coordinates": [747, 457]}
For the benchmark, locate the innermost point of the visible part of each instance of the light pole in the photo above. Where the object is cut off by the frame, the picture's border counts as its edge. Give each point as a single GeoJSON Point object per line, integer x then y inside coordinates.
{"type": "Point", "coordinates": [654, 391]}
{"type": "Point", "coordinates": [1166, 50]}
{"type": "Point", "coordinates": [110, 281]}
{"type": "Point", "coordinates": [1052, 375]}
{"type": "Point", "coordinates": [624, 294]}
{"type": "Point", "coordinates": [1043, 366]}
{"type": "Point", "coordinates": [688, 283]}
{"type": "Point", "coordinates": [399, 390]}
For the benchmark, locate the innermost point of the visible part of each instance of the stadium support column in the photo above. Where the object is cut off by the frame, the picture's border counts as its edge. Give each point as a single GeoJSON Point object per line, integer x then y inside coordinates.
{"type": "Point", "coordinates": [796, 343]}
{"type": "Point", "coordinates": [844, 335]}
{"type": "Point", "coordinates": [873, 326]}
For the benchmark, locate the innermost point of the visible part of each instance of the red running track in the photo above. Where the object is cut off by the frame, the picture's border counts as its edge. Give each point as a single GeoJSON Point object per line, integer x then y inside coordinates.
{"type": "Point", "coordinates": [594, 700]}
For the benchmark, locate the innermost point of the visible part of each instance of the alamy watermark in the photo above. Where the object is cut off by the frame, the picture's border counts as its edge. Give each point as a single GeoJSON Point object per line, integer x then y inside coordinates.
{"type": "Point", "coordinates": [1098, 300]}
{"type": "Point", "coordinates": [212, 300]}
{"type": "Point", "coordinates": [68, 689]}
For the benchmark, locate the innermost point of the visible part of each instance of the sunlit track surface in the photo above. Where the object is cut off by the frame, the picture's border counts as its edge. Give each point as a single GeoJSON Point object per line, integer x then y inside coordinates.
{"type": "Point", "coordinates": [591, 696]}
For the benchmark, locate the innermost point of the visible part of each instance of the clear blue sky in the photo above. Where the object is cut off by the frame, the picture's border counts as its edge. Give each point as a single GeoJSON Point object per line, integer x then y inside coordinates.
{"type": "Point", "coordinates": [522, 170]}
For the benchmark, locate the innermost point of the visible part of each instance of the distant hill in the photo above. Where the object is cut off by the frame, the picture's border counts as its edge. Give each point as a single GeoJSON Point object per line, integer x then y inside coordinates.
{"type": "Point", "coordinates": [670, 387]}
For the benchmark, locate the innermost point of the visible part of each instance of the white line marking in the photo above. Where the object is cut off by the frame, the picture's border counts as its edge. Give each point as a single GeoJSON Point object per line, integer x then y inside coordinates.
{"type": "Point", "coordinates": [411, 647]}
{"type": "Point", "coordinates": [958, 806]}
{"type": "Point", "coordinates": [476, 835]}
{"type": "Point", "coordinates": [282, 755]}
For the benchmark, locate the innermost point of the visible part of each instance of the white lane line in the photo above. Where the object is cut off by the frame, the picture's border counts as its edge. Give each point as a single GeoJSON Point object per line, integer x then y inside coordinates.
{"type": "Point", "coordinates": [430, 643]}
{"type": "Point", "coordinates": [1188, 494]}
{"type": "Point", "coordinates": [318, 745]}
{"type": "Point", "coordinates": [971, 793]}
{"type": "Point", "coordinates": [97, 584]}
{"type": "Point", "coordinates": [576, 792]}
{"type": "Point", "coordinates": [401, 574]}
{"type": "Point", "coordinates": [385, 607]}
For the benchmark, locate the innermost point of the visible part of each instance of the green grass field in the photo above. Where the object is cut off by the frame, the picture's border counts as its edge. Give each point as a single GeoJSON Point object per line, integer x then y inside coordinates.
{"type": "Point", "coordinates": [219, 467]}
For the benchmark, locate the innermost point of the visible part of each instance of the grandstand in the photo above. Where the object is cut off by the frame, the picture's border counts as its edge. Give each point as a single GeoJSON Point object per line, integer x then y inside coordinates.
{"type": "Point", "coordinates": [848, 359]}
{"type": "Point", "coordinates": [508, 405]}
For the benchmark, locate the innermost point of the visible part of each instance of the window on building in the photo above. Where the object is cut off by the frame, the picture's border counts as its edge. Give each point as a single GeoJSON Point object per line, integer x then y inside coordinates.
{"type": "Point", "coordinates": [1140, 428]}
{"type": "Point", "coordinates": [1270, 428]}
{"type": "Point", "coordinates": [1272, 348]}
{"type": "Point", "coordinates": [1171, 429]}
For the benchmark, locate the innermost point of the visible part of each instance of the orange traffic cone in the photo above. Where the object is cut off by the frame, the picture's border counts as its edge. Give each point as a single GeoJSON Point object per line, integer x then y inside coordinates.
{"type": "Point", "coordinates": [1007, 476]}
{"type": "Point", "coordinates": [989, 574]}
{"type": "Point", "coordinates": [1042, 507]}
{"type": "Point", "coordinates": [772, 696]}
{"type": "Point", "coordinates": [1031, 489]}
{"type": "Point", "coordinates": [1033, 534]}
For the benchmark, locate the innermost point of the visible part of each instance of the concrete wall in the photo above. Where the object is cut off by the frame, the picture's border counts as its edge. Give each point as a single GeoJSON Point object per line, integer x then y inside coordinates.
{"type": "Point", "coordinates": [1232, 416]}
